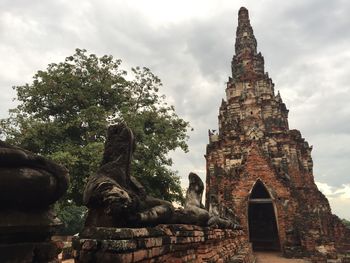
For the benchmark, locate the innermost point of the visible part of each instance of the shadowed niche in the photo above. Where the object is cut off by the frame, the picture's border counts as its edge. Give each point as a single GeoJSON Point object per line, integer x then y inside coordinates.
{"type": "Point", "coordinates": [263, 233]}
{"type": "Point", "coordinates": [259, 191]}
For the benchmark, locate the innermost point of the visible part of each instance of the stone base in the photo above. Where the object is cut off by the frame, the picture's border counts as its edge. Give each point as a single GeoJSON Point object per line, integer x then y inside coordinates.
{"type": "Point", "coordinates": [294, 252]}
{"type": "Point", "coordinates": [27, 226]}
{"type": "Point", "coordinates": [25, 236]}
{"type": "Point", "coordinates": [43, 252]}
{"type": "Point", "coordinates": [164, 243]}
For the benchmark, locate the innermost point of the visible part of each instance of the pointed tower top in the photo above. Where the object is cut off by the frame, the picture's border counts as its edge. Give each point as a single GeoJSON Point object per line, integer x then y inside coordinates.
{"type": "Point", "coordinates": [243, 12]}
{"type": "Point", "coordinates": [245, 38]}
{"type": "Point", "coordinates": [246, 64]}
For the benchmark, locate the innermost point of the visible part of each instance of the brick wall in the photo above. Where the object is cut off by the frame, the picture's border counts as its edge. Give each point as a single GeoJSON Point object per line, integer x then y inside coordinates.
{"type": "Point", "coordinates": [163, 243]}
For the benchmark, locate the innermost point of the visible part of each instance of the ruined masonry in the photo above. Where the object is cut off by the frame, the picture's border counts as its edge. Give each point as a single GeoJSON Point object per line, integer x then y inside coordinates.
{"type": "Point", "coordinates": [262, 170]}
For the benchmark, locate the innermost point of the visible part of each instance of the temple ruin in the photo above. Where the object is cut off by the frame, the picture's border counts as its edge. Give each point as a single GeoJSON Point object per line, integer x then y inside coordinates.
{"type": "Point", "coordinates": [124, 224]}
{"type": "Point", "coordinates": [260, 191]}
{"type": "Point", "coordinates": [263, 170]}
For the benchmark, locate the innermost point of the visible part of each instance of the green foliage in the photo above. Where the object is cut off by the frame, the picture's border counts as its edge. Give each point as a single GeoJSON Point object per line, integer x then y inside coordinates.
{"type": "Point", "coordinates": [72, 216]}
{"type": "Point", "coordinates": [63, 115]}
{"type": "Point", "coordinates": [346, 223]}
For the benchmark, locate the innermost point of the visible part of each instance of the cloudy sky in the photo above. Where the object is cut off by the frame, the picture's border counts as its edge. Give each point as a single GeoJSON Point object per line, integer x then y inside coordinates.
{"type": "Point", "coordinates": [189, 45]}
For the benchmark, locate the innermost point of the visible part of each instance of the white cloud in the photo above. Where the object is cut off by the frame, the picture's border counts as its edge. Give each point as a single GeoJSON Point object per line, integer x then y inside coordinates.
{"type": "Point", "coordinates": [338, 197]}
{"type": "Point", "coordinates": [325, 188]}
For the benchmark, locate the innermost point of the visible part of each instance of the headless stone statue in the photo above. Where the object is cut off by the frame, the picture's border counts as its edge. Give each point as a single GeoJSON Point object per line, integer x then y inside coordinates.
{"type": "Point", "coordinates": [225, 219]}
{"type": "Point", "coordinates": [113, 196]}
{"type": "Point", "coordinates": [193, 211]}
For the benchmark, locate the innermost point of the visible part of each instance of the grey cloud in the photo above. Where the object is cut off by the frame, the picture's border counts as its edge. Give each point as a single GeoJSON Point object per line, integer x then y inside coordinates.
{"type": "Point", "coordinates": [212, 47]}
{"type": "Point", "coordinates": [305, 45]}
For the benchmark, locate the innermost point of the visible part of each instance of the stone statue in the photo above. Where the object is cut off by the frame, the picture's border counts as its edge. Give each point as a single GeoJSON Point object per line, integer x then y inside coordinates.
{"type": "Point", "coordinates": [225, 219]}
{"type": "Point", "coordinates": [29, 185]}
{"type": "Point", "coordinates": [193, 211]}
{"type": "Point", "coordinates": [113, 196]}
{"type": "Point", "coordinates": [28, 180]}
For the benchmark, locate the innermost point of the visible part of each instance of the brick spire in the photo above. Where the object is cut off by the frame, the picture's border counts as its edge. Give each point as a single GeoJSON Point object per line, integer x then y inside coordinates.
{"type": "Point", "coordinates": [254, 146]}
{"type": "Point", "coordinates": [247, 64]}
{"type": "Point", "coordinates": [245, 38]}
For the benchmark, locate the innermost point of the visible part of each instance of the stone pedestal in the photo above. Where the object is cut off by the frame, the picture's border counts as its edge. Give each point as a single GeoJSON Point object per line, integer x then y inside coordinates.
{"type": "Point", "coordinates": [25, 237]}
{"type": "Point", "coordinates": [29, 186]}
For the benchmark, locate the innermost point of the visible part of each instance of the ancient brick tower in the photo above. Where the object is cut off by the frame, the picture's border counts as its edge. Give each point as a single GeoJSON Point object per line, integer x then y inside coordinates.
{"type": "Point", "coordinates": [261, 169]}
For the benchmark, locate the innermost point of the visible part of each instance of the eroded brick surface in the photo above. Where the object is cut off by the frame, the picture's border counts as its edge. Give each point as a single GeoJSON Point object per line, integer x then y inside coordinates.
{"type": "Point", "coordinates": [174, 243]}
{"type": "Point", "coordinates": [254, 143]}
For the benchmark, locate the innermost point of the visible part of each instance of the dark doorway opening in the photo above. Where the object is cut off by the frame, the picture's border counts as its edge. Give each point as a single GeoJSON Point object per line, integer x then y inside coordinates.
{"type": "Point", "coordinates": [263, 233]}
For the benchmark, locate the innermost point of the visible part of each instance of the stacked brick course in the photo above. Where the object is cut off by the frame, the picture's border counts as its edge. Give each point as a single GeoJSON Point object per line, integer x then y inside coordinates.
{"type": "Point", "coordinates": [254, 143]}
{"type": "Point", "coordinates": [163, 243]}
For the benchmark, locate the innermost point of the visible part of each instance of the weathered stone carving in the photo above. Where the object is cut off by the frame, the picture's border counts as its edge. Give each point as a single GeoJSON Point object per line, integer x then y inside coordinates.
{"type": "Point", "coordinates": [117, 199]}
{"type": "Point", "coordinates": [193, 211]}
{"type": "Point", "coordinates": [226, 219]}
{"type": "Point", "coordinates": [113, 196]}
{"type": "Point", "coordinates": [29, 184]}
{"type": "Point", "coordinates": [28, 180]}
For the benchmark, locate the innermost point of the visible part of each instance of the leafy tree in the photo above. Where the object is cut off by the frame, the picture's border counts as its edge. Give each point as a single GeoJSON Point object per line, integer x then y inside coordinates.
{"type": "Point", "coordinates": [346, 223]}
{"type": "Point", "coordinates": [63, 115]}
{"type": "Point", "coordinates": [72, 216]}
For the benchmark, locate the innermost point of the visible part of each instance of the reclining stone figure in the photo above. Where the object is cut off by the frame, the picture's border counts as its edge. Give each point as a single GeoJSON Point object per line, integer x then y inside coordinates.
{"type": "Point", "coordinates": [113, 196]}
{"type": "Point", "coordinates": [225, 219]}
{"type": "Point", "coordinates": [193, 211]}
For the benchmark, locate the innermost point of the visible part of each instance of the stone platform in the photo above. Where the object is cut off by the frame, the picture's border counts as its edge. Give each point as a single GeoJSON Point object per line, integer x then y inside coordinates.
{"type": "Point", "coordinates": [163, 243]}
{"type": "Point", "coordinates": [25, 236]}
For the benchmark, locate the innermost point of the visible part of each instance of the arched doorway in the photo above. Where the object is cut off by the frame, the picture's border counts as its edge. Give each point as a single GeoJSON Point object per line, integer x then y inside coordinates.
{"type": "Point", "coordinates": [263, 233]}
